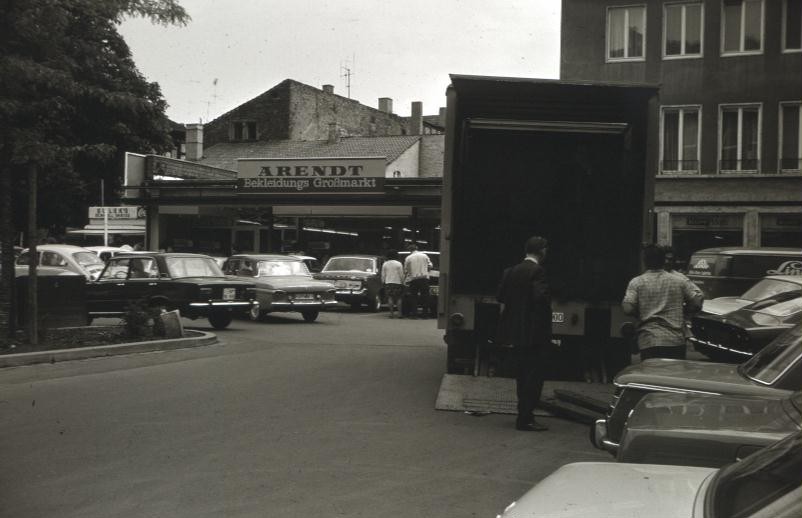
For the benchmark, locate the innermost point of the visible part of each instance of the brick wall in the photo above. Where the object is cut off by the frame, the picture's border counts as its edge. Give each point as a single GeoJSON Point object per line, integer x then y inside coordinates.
{"type": "Point", "coordinates": [432, 148]}
{"type": "Point", "coordinates": [312, 110]}
{"type": "Point", "coordinates": [269, 111]}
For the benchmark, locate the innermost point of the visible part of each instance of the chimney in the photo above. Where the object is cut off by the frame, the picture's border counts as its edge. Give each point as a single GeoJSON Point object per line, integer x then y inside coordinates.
{"type": "Point", "coordinates": [334, 134]}
{"type": "Point", "coordinates": [194, 141]}
{"type": "Point", "coordinates": [441, 117]}
{"type": "Point", "coordinates": [385, 104]}
{"type": "Point", "coordinates": [329, 89]}
{"type": "Point", "coordinates": [416, 119]}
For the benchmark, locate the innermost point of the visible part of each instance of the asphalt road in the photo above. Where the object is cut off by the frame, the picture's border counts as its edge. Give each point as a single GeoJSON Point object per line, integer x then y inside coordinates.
{"type": "Point", "coordinates": [285, 419]}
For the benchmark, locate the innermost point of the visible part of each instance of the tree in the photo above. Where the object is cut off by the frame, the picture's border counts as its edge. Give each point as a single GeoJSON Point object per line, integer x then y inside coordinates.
{"type": "Point", "coordinates": [72, 102]}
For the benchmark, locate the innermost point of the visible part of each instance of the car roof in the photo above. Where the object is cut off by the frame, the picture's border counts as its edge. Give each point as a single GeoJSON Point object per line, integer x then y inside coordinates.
{"type": "Point", "coordinates": [796, 279]}
{"type": "Point", "coordinates": [131, 253]}
{"type": "Point", "coordinates": [421, 251]}
{"type": "Point", "coordinates": [303, 257]}
{"type": "Point", "coordinates": [59, 248]}
{"type": "Point", "coordinates": [266, 257]}
{"type": "Point", "coordinates": [355, 256]}
{"type": "Point", "coordinates": [745, 250]}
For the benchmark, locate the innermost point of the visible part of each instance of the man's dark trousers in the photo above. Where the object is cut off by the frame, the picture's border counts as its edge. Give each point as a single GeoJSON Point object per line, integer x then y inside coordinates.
{"type": "Point", "coordinates": [418, 293]}
{"type": "Point", "coordinates": [528, 381]}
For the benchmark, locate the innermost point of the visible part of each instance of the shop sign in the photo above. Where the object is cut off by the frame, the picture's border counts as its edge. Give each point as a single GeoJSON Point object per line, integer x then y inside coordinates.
{"type": "Point", "coordinates": [117, 213]}
{"type": "Point", "coordinates": [318, 175]}
{"type": "Point", "coordinates": [707, 221]}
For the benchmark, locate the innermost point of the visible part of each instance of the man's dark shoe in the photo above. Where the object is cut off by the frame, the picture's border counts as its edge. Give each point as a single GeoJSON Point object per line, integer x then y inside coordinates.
{"type": "Point", "coordinates": [531, 427]}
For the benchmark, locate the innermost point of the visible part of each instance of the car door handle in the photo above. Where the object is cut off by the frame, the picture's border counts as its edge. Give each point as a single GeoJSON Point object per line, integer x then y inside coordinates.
{"type": "Point", "coordinates": [153, 284]}
{"type": "Point", "coordinates": [120, 284]}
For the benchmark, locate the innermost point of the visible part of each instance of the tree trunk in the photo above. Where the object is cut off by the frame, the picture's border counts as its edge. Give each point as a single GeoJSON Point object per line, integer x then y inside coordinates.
{"type": "Point", "coordinates": [33, 303]}
{"type": "Point", "coordinates": [7, 302]}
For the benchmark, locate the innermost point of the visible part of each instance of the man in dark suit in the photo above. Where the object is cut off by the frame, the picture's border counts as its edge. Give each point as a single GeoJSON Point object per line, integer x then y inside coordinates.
{"type": "Point", "coordinates": [526, 324]}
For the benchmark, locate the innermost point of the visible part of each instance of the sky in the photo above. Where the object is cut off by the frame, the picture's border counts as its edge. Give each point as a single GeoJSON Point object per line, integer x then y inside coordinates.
{"type": "Point", "coordinates": [233, 50]}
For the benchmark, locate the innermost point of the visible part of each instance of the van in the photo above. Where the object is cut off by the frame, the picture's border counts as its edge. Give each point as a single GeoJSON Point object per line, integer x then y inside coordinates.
{"type": "Point", "coordinates": [722, 272]}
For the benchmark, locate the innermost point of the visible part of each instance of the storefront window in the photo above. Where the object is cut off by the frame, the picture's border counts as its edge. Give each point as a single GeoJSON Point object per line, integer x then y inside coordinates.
{"type": "Point", "coordinates": [784, 230]}
{"type": "Point", "coordinates": [693, 232]}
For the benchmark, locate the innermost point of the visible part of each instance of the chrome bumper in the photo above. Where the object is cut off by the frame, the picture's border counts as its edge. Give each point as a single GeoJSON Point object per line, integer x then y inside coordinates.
{"type": "Point", "coordinates": [297, 305]}
{"type": "Point", "coordinates": [598, 436]}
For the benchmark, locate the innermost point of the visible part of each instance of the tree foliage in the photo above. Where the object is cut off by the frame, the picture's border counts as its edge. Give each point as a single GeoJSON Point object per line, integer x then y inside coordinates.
{"type": "Point", "coordinates": [72, 102]}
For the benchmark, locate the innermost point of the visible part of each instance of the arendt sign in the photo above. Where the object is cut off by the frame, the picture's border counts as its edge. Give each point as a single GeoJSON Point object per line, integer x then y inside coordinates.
{"type": "Point", "coordinates": [310, 175]}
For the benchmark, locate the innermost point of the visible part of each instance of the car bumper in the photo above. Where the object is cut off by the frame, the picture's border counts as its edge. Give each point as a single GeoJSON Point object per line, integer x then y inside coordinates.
{"type": "Point", "coordinates": [200, 309]}
{"type": "Point", "coordinates": [301, 305]}
{"type": "Point", "coordinates": [599, 438]}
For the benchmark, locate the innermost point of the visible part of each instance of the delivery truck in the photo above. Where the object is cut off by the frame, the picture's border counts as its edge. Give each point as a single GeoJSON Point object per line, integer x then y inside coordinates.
{"type": "Point", "coordinates": [572, 162]}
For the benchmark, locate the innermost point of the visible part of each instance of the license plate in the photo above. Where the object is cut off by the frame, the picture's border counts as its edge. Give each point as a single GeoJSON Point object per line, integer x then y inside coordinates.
{"type": "Point", "coordinates": [229, 293]}
{"type": "Point", "coordinates": [557, 317]}
{"type": "Point", "coordinates": [304, 296]}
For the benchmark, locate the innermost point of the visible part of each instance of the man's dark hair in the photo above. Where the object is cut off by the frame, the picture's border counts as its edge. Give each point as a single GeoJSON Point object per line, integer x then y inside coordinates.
{"type": "Point", "coordinates": [412, 247]}
{"type": "Point", "coordinates": [654, 257]}
{"type": "Point", "coordinates": [392, 254]}
{"type": "Point", "coordinates": [535, 245]}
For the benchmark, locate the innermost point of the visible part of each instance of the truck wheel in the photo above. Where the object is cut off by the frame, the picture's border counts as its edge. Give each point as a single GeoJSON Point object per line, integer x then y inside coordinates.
{"type": "Point", "coordinates": [220, 320]}
{"type": "Point", "coordinates": [376, 303]}
{"type": "Point", "coordinates": [310, 316]}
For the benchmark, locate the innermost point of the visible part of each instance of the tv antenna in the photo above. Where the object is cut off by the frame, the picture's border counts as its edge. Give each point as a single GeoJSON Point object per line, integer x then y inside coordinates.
{"type": "Point", "coordinates": [213, 100]}
{"type": "Point", "coordinates": [347, 71]}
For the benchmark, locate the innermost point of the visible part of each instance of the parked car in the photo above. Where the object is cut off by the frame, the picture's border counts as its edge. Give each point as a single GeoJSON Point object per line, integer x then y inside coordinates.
{"type": "Point", "coordinates": [68, 257]}
{"type": "Point", "coordinates": [729, 271]}
{"type": "Point", "coordinates": [738, 335]}
{"type": "Point", "coordinates": [283, 283]}
{"type": "Point", "coordinates": [763, 289]}
{"type": "Point", "coordinates": [357, 279]}
{"type": "Point", "coordinates": [430, 306]}
{"type": "Point", "coordinates": [766, 484]}
{"type": "Point", "coordinates": [707, 431]}
{"type": "Point", "coordinates": [190, 283]}
{"type": "Point", "coordinates": [312, 263]}
{"type": "Point", "coordinates": [774, 372]}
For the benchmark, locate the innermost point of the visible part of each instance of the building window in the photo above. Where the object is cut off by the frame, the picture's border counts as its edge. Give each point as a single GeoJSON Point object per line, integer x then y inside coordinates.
{"type": "Point", "coordinates": [243, 130]}
{"type": "Point", "coordinates": [739, 138]}
{"type": "Point", "coordinates": [626, 33]}
{"type": "Point", "coordinates": [792, 25]}
{"type": "Point", "coordinates": [680, 139]}
{"type": "Point", "coordinates": [682, 32]}
{"type": "Point", "coordinates": [742, 27]}
{"type": "Point", "coordinates": [790, 138]}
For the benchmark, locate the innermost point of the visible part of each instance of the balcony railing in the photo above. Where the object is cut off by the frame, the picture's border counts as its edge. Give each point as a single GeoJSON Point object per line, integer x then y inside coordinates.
{"type": "Point", "coordinates": [745, 165]}
{"type": "Point", "coordinates": [680, 166]}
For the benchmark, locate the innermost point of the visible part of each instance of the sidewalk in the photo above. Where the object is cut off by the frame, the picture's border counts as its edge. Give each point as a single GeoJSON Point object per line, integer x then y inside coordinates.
{"type": "Point", "coordinates": [194, 339]}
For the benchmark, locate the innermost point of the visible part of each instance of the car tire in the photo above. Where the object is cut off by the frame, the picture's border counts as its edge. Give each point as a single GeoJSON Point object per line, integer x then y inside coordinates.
{"type": "Point", "coordinates": [310, 316]}
{"type": "Point", "coordinates": [376, 303]}
{"type": "Point", "coordinates": [220, 319]}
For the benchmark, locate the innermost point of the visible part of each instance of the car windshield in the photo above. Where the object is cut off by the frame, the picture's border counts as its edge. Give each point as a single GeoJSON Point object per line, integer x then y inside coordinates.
{"type": "Point", "coordinates": [349, 264]}
{"type": "Point", "coordinates": [766, 480]}
{"type": "Point", "coordinates": [193, 267]}
{"type": "Point", "coordinates": [279, 268]}
{"type": "Point", "coordinates": [88, 259]}
{"type": "Point", "coordinates": [769, 288]}
{"type": "Point", "coordinates": [771, 361]}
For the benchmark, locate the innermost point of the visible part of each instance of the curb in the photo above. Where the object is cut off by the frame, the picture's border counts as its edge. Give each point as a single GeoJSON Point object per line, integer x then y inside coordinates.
{"type": "Point", "coordinates": [82, 353]}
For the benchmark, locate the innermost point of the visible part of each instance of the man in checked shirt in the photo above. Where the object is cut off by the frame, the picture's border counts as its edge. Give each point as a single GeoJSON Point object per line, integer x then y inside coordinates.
{"type": "Point", "coordinates": [658, 299]}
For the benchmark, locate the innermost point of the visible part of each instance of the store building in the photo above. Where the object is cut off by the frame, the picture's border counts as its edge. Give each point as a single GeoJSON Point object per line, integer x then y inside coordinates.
{"type": "Point", "coordinates": [727, 127]}
{"type": "Point", "coordinates": [266, 178]}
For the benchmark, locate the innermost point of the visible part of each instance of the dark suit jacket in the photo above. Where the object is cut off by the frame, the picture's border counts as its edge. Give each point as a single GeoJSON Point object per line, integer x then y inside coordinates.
{"type": "Point", "coordinates": [526, 318]}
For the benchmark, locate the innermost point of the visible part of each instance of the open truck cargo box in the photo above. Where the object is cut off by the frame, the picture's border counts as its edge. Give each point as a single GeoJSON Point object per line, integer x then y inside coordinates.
{"type": "Point", "coordinates": [572, 162]}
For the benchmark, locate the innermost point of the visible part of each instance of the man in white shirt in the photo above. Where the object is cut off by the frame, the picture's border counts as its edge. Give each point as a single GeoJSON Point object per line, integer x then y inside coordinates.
{"type": "Point", "coordinates": [393, 281]}
{"type": "Point", "coordinates": [416, 267]}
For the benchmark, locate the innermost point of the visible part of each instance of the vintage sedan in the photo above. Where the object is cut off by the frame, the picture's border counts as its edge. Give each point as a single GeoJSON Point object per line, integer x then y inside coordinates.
{"type": "Point", "coordinates": [283, 283]}
{"type": "Point", "coordinates": [190, 283]}
{"type": "Point", "coordinates": [357, 279]}
{"type": "Point", "coordinates": [766, 484]}
{"type": "Point", "coordinates": [764, 289]}
{"type": "Point", "coordinates": [706, 430]}
{"type": "Point", "coordinates": [774, 372]}
{"type": "Point", "coordinates": [66, 257]}
{"type": "Point", "coordinates": [738, 335]}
